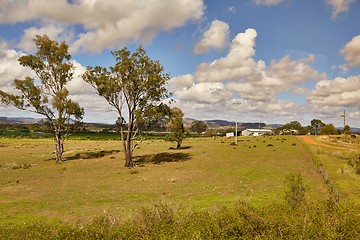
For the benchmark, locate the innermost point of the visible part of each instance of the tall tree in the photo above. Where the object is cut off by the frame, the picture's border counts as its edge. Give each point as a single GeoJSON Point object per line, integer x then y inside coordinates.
{"type": "Point", "coordinates": [198, 127]}
{"type": "Point", "coordinates": [50, 97]}
{"type": "Point", "coordinates": [316, 124]}
{"type": "Point", "coordinates": [135, 83]}
{"type": "Point", "coordinates": [176, 126]}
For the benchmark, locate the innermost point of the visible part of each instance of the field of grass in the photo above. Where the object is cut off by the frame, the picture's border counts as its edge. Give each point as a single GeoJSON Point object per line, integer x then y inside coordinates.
{"type": "Point", "coordinates": [340, 160]}
{"type": "Point", "coordinates": [92, 180]}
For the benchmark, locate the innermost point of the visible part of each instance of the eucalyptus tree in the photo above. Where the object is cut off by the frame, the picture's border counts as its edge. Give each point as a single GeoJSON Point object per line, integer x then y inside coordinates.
{"type": "Point", "coordinates": [317, 124]}
{"type": "Point", "coordinates": [47, 94]}
{"type": "Point", "coordinates": [135, 83]}
{"type": "Point", "coordinates": [198, 127]}
{"type": "Point", "coordinates": [176, 127]}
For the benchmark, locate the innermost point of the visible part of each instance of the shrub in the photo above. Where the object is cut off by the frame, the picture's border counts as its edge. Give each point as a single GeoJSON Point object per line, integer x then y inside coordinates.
{"type": "Point", "coordinates": [296, 193]}
{"type": "Point", "coordinates": [357, 167]}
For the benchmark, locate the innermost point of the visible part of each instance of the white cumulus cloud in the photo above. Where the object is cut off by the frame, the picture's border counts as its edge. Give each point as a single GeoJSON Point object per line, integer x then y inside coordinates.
{"type": "Point", "coordinates": [238, 75]}
{"type": "Point", "coordinates": [204, 92]}
{"type": "Point", "coordinates": [351, 52]}
{"type": "Point", "coordinates": [106, 23]}
{"type": "Point", "coordinates": [180, 82]}
{"type": "Point", "coordinates": [337, 92]}
{"type": "Point", "coordinates": [238, 63]}
{"type": "Point", "coordinates": [10, 68]}
{"type": "Point", "coordinates": [215, 37]}
{"type": "Point", "coordinates": [53, 31]}
{"type": "Point", "coordinates": [339, 6]}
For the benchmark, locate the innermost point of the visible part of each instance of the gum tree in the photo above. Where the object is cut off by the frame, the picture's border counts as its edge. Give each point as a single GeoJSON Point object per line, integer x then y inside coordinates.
{"type": "Point", "coordinates": [198, 127]}
{"type": "Point", "coordinates": [176, 127]}
{"type": "Point", "coordinates": [47, 94]}
{"type": "Point", "coordinates": [135, 83]}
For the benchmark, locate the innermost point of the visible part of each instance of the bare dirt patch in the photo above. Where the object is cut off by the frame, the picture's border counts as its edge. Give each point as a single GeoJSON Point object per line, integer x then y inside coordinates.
{"type": "Point", "coordinates": [312, 141]}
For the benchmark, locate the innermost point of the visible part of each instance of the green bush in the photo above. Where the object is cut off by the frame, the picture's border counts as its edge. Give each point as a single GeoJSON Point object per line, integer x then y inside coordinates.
{"type": "Point", "coordinates": [296, 192]}
{"type": "Point", "coordinates": [237, 221]}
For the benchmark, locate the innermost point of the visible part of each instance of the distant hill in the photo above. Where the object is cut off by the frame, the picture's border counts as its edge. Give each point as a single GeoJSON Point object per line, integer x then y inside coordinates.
{"type": "Point", "coordinates": [215, 123]}
{"type": "Point", "coordinates": [221, 123]}
{"type": "Point", "coordinates": [275, 125]}
{"type": "Point", "coordinates": [19, 120]}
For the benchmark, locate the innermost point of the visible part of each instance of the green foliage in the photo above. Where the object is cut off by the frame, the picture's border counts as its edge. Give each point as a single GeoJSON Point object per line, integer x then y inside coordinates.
{"type": "Point", "coordinates": [176, 127]}
{"type": "Point", "coordinates": [328, 129]}
{"type": "Point", "coordinates": [296, 190]}
{"type": "Point", "coordinates": [198, 127]}
{"type": "Point", "coordinates": [294, 127]}
{"type": "Point", "coordinates": [238, 221]}
{"type": "Point", "coordinates": [347, 129]}
{"type": "Point", "coordinates": [52, 66]}
{"type": "Point", "coordinates": [135, 82]}
{"type": "Point", "coordinates": [316, 125]}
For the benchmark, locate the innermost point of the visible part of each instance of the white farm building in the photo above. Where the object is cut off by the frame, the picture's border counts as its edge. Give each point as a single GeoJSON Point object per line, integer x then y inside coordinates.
{"type": "Point", "coordinates": [256, 132]}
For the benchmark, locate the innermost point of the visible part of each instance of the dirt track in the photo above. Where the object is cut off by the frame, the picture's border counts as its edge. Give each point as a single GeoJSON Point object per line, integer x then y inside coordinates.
{"type": "Point", "coordinates": [311, 140]}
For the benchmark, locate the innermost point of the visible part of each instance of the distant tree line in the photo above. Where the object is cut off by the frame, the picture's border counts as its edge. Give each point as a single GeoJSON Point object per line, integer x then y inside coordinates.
{"type": "Point", "coordinates": [316, 127]}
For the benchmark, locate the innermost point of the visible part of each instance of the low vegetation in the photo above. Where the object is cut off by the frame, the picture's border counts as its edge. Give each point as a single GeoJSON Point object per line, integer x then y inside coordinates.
{"type": "Point", "coordinates": [239, 220]}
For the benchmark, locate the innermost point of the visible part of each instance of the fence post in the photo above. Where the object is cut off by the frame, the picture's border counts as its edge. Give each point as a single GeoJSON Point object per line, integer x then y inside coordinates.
{"type": "Point", "coordinates": [337, 196]}
{"type": "Point", "coordinates": [331, 186]}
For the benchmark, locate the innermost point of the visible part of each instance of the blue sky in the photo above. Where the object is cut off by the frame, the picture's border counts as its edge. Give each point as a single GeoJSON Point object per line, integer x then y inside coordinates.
{"type": "Point", "coordinates": [283, 60]}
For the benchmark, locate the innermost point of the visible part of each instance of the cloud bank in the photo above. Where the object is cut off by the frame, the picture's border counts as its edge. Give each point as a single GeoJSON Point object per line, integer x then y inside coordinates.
{"type": "Point", "coordinates": [105, 23]}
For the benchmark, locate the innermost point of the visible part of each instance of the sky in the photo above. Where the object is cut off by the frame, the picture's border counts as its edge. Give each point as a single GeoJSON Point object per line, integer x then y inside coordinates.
{"type": "Point", "coordinates": [271, 61]}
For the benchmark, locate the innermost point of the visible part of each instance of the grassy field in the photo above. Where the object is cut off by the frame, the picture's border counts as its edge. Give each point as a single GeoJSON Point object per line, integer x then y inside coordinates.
{"type": "Point", "coordinates": [340, 158]}
{"type": "Point", "coordinates": [92, 181]}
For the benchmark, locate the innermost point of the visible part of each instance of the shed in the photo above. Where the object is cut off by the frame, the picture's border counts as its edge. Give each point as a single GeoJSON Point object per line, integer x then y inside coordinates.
{"type": "Point", "coordinates": [256, 132]}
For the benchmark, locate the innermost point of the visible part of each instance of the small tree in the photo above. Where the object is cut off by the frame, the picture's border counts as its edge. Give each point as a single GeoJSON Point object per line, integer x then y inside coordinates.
{"type": "Point", "coordinates": [198, 127]}
{"type": "Point", "coordinates": [135, 81]}
{"type": "Point", "coordinates": [296, 192]}
{"type": "Point", "coordinates": [328, 129]}
{"type": "Point", "coordinates": [347, 129]}
{"type": "Point", "coordinates": [176, 127]}
{"type": "Point", "coordinates": [50, 98]}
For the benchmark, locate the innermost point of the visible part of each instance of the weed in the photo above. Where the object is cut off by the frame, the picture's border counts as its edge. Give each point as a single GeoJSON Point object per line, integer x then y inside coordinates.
{"type": "Point", "coordinates": [357, 167]}
{"type": "Point", "coordinates": [134, 171]}
{"type": "Point", "coordinates": [350, 163]}
{"type": "Point", "coordinates": [296, 193]}
{"type": "Point", "coordinates": [20, 166]}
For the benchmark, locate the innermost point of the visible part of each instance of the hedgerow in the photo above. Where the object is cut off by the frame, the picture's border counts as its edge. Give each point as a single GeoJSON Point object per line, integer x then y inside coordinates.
{"type": "Point", "coordinates": [238, 221]}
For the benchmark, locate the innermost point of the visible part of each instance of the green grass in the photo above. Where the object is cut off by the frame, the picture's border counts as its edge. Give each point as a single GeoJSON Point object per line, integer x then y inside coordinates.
{"type": "Point", "coordinates": [93, 181]}
{"type": "Point", "coordinates": [336, 164]}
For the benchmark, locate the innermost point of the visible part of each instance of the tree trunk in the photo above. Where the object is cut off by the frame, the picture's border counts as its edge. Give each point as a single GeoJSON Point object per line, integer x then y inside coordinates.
{"type": "Point", "coordinates": [59, 146]}
{"type": "Point", "coordinates": [128, 160]}
{"type": "Point", "coordinates": [128, 150]}
{"type": "Point", "coordinates": [178, 144]}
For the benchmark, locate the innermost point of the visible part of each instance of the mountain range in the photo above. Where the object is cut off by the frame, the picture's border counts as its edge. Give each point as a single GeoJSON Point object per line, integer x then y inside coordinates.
{"type": "Point", "coordinates": [215, 123]}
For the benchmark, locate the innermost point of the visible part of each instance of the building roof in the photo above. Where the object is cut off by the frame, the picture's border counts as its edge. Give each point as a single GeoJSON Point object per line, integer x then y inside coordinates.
{"type": "Point", "coordinates": [258, 130]}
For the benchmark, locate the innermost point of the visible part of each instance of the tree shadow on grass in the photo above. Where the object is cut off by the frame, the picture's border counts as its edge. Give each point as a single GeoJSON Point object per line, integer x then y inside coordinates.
{"type": "Point", "coordinates": [89, 155]}
{"type": "Point", "coordinates": [184, 147]}
{"type": "Point", "coordinates": [162, 157]}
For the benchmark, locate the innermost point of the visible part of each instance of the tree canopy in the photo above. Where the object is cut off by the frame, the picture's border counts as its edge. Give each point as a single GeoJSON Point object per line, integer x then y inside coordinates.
{"type": "Point", "coordinates": [316, 124]}
{"type": "Point", "coordinates": [49, 96]}
{"type": "Point", "coordinates": [198, 127]}
{"type": "Point", "coordinates": [135, 83]}
{"type": "Point", "coordinates": [176, 126]}
{"type": "Point", "coordinates": [328, 129]}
